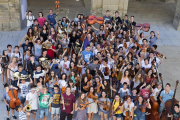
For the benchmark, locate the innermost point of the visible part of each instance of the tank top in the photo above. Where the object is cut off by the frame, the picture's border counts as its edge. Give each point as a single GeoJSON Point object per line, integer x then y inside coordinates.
{"type": "Point", "coordinates": [30, 38]}
{"type": "Point", "coordinates": [140, 41]}
{"type": "Point", "coordinates": [11, 73]}
{"type": "Point", "coordinates": [115, 105]}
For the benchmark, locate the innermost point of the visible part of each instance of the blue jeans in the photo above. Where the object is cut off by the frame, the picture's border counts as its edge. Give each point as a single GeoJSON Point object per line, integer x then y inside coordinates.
{"type": "Point", "coordinates": [14, 83]}
{"type": "Point", "coordinates": [23, 99]}
{"type": "Point", "coordinates": [161, 108]}
{"type": "Point", "coordinates": [43, 112]}
{"type": "Point", "coordinates": [53, 25]}
{"type": "Point", "coordinates": [118, 115]}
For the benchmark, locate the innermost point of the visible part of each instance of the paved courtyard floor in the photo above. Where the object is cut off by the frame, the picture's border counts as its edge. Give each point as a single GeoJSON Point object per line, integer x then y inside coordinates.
{"type": "Point", "coordinates": [158, 14]}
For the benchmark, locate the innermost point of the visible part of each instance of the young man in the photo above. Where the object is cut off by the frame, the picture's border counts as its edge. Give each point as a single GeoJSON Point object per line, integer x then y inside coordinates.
{"type": "Point", "coordinates": [32, 99]}
{"type": "Point", "coordinates": [31, 65]}
{"type": "Point", "coordinates": [65, 65]}
{"type": "Point", "coordinates": [54, 107]}
{"type": "Point", "coordinates": [87, 54]}
{"type": "Point", "coordinates": [123, 91]}
{"type": "Point", "coordinates": [176, 113]}
{"type": "Point", "coordinates": [52, 51]}
{"type": "Point", "coordinates": [155, 59]}
{"type": "Point", "coordinates": [22, 113]}
{"type": "Point", "coordinates": [94, 66]}
{"type": "Point", "coordinates": [7, 99]}
{"type": "Point", "coordinates": [51, 17]}
{"type": "Point", "coordinates": [38, 73]}
{"type": "Point", "coordinates": [17, 54]}
{"type": "Point", "coordinates": [9, 50]}
{"type": "Point", "coordinates": [145, 92]}
{"type": "Point", "coordinates": [68, 101]}
{"type": "Point", "coordinates": [44, 103]}
{"type": "Point", "coordinates": [44, 54]}
{"type": "Point", "coordinates": [35, 23]}
{"type": "Point", "coordinates": [25, 45]}
{"type": "Point", "coordinates": [24, 89]}
{"type": "Point", "coordinates": [107, 18]}
{"type": "Point", "coordinates": [37, 47]}
{"type": "Point", "coordinates": [87, 41]}
{"type": "Point", "coordinates": [29, 18]}
{"type": "Point", "coordinates": [102, 68]}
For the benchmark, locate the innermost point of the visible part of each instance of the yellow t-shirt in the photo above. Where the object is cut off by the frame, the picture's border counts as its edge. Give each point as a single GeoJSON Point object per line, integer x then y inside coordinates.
{"type": "Point", "coordinates": [115, 105]}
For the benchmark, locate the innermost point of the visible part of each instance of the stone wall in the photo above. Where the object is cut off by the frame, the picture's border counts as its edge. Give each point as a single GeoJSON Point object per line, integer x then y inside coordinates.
{"type": "Point", "coordinates": [99, 7]}
{"type": "Point", "coordinates": [10, 15]}
{"type": "Point", "coordinates": [176, 21]}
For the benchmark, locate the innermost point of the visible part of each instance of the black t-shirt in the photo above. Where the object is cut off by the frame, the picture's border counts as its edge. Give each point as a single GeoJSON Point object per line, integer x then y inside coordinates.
{"type": "Point", "coordinates": [72, 40]}
{"type": "Point", "coordinates": [118, 20]}
{"type": "Point", "coordinates": [24, 46]}
{"type": "Point", "coordinates": [175, 115]}
{"type": "Point", "coordinates": [47, 56]}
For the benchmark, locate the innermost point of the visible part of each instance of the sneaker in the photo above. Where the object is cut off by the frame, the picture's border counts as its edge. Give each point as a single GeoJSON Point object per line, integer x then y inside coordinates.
{"type": "Point", "coordinates": [7, 119]}
{"type": "Point", "coordinates": [14, 117]}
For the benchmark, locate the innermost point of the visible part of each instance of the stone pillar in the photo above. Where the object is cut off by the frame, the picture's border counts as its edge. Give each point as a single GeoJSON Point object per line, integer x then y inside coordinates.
{"type": "Point", "coordinates": [176, 20]}
{"type": "Point", "coordinates": [10, 13]}
{"type": "Point", "coordinates": [88, 7]}
{"type": "Point", "coordinates": [100, 6]}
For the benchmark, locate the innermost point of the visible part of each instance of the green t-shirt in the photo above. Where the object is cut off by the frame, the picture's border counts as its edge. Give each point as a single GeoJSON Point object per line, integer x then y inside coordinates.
{"type": "Point", "coordinates": [44, 100]}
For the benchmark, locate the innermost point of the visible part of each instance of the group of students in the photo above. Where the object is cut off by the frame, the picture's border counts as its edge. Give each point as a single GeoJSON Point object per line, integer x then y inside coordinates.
{"type": "Point", "coordinates": [111, 70]}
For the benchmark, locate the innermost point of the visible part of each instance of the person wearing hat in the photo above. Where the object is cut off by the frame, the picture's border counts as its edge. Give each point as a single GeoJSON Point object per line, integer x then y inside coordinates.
{"type": "Point", "coordinates": [32, 100]}
{"type": "Point", "coordinates": [24, 88]}
{"type": "Point", "coordinates": [7, 100]}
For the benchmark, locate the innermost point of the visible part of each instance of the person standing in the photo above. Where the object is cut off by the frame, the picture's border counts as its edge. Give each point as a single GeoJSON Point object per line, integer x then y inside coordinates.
{"type": "Point", "coordinates": [41, 19]}
{"type": "Point", "coordinates": [32, 99]}
{"type": "Point", "coordinates": [107, 18]}
{"type": "Point", "coordinates": [44, 103]}
{"type": "Point", "coordinates": [51, 17]}
{"type": "Point", "coordinates": [87, 54]}
{"type": "Point", "coordinates": [29, 18]}
{"type": "Point", "coordinates": [54, 107]}
{"type": "Point", "coordinates": [68, 102]}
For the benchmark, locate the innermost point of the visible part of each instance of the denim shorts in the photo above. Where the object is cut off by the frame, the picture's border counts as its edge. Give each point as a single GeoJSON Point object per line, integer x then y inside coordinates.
{"type": "Point", "coordinates": [118, 115]}
{"type": "Point", "coordinates": [23, 99]}
{"type": "Point", "coordinates": [42, 112]}
{"type": "Point", "coordinates": [55, 110]}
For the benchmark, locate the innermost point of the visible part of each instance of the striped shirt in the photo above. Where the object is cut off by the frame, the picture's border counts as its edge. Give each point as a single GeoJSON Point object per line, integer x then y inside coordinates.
{"type": "Point", "coordinates": [22, 115]}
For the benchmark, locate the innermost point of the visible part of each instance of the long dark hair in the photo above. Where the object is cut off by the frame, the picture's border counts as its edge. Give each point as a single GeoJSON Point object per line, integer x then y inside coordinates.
{"type": "Point", "coordinates": [5, 59]}
{"type": "Point", "coordinates": [39, 80]}
{"type": "Point", "coordinates": [93, 89]}
{"type": "Point", "coordinates": [28, 33]}
{"type": "Point", "coordinates": [137, 103]}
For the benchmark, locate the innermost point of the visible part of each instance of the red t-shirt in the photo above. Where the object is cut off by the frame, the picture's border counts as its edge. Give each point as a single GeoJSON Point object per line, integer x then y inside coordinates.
{"type": "Point", "coordinates": [68, 100]}
{"type": "Point", "coordinates": [50, 52]}
{"type": "Point", "coordinates": [144, 93]}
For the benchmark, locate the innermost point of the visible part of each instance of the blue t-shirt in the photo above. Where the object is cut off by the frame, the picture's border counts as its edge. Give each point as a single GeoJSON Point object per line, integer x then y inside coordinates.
{"type": "Point", "coordinates": [51, 18]}
{"type": "Point", "coordinates": [87, 55]}
{"type": "Point", "coordinates": [165, 96]}
{"type": "Point", "coordinates": [56, 102]}
{"type": "Point", "coordinates": [6, 96]}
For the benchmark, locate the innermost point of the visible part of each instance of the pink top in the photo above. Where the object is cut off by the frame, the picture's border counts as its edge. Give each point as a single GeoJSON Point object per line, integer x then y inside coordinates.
{"type": "Point", "coordinates": [41, 21]}
{"type": "Point", "coordinates": [125, 80]}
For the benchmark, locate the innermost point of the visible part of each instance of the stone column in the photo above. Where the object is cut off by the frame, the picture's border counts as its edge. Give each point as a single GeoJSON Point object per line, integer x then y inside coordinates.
{"type": "Point", "coordinates": [88, 7]}
{"type": "Point", "coordinates": [100, 6]}
{"type": "Point", "coordinates": [10, 13]}
{"type": "Point", "coordinates": [176, 20]}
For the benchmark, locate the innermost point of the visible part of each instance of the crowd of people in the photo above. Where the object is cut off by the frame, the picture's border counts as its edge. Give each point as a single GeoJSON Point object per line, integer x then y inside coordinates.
{"type": "Point", "coordinates": [70, 66]}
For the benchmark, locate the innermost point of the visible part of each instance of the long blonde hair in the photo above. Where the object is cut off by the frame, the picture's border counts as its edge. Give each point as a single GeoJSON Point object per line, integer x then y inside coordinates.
{"type": "Point", "coordinates": [80, 100]}
{"type": "Point", "coordinates": [136, 77]}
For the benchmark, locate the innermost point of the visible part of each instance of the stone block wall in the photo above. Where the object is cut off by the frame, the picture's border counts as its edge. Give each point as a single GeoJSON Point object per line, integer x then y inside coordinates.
{"type": "Point", "coordinates": [10, 15]}
{"type": "Point", "coordinates": [176, 20]}
{"type": "Point", "coordinates": [100, 6]}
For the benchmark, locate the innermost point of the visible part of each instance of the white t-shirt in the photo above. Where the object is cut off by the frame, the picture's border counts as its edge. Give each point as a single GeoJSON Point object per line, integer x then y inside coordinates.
{"type": "Point", "coordinates": [146, 66]}
{"type": "Point", "coordinates": [24, 89]}
{"type": "Point", "coordinates": [66, 64]}
{"type": "Point", "coordinates": [95, 52]}
{"type": "Point", "coordinates": [62, 83]}
{"type": "Point", "coordinates": [157, 60]}
{"type": "Point", "coordinates": [130, 107]}
{"type": "Point", "coordinates": [33, 100]}
{"type": "Point", "coordinates": [18, 55]}
{"type": "Point", "coordinates": [156, 93]}
{"type": "Point", "coordinates": [29, 20]}
{"type": "Point", "coordinates": [103, 69]}
{"type": "Point", "coordinates": [122, 90]}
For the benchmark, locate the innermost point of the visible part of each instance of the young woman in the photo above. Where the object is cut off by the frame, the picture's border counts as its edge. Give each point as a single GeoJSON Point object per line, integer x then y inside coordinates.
{"type": "Point", "coordinates": [44, 33]}
{"type": "Point", "coordinates": [59, 25]}
{"type": "Point", "coordinates": [148, 77]}
{"type": "Point", "coordinates": [137, 109]}
{"type": "Point", "coordinates": [138, 81]}
{"type": "Point", "coordinates": [125, 78]}
{"type": "Point", "coordinates": [13, 66]}
{"type": "Point", "coordinates": [81, 114]}
{"type": "Point", "coordinates": [41, 19]}
{"type": "Point", "coordinates": [153, 38]}
{"type": "Point", "coordinates": [98, 86]}
{"type": "Point", "coordinates": [53, 79]}
{"type": "Point", "coordinates": [81, 67]}
{"type": "Point", "coordinates": [53, 33]}
{"type": "Point", "coordinates": [72, 86]}
{"type": "Point", "coordinates": [72, 67]}
{"type": "Point", "coordinates": [62, 83]}
{"type": "Point", "coordinates": [29, 35]}
{"type": "Point", "coordinates": [36, 32]}
{"type": "Point", "coordinates": [116, 105]}
{"type": "Point", "coordinates": [59, 50]}
{"type": "Point", "coordinates": [87, 73]}
{"type": "Point", "coordinates": [104, 100]}
{"type": "Point", "coordinates": [47, 24]}
{"type": "Point", "coordinates": [93, 108]}
{"type": "Point", "coordinates": [141, 36]}
{"type": "Point", "coordinates": [85, 85]}
{"type": "Point", "coordinates": [74, 59]}
{"type": "Point", "coordinates": [40, 84]}
{"type": "Point", "coordinates": [128, 106]}
{"type": "Point", "coordinates": [5, 60]}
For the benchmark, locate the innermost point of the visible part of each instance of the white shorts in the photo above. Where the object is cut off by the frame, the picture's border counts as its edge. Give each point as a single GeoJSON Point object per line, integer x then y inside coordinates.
{"type": "Point", "coordinates": [55, 110]}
